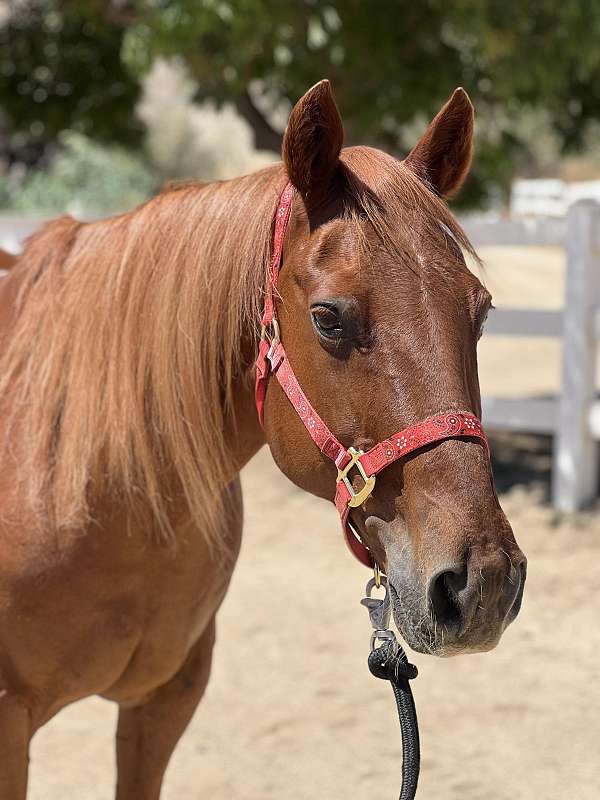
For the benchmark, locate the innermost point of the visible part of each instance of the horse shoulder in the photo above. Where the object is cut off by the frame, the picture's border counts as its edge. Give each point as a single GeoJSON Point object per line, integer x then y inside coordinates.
{"type": "Point", "coordinates": [104, 609]}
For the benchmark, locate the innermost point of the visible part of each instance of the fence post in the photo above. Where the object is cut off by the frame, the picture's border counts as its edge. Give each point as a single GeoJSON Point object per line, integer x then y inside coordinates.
{"type": "Point", "coordinates": [575, 468]}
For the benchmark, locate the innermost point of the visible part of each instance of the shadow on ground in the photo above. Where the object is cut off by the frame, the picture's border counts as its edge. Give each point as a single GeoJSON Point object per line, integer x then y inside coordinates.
{"type": "Point", "coordinates": [522, 459]}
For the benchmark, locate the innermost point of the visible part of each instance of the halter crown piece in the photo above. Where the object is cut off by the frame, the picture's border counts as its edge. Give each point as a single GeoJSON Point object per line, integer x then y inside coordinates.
{"type": "Point", "coordinates": [272, 359]}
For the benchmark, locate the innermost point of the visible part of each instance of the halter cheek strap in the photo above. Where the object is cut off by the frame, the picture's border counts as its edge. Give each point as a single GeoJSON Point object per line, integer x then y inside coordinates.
{"type": "Point", "coordinates": [272, 359]}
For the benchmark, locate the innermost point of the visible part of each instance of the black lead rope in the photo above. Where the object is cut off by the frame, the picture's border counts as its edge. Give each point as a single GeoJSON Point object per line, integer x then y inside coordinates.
{"type": "Point", "coordinates": [389, 662]}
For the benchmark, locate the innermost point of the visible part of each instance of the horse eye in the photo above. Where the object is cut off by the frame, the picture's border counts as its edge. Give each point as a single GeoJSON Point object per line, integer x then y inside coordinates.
{"type": "Point", "coordinates": [327, 321]}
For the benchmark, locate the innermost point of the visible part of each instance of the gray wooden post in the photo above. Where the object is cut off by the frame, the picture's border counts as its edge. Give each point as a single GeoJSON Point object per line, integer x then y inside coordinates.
{"type": "Point", "coordinates": [575, 469]}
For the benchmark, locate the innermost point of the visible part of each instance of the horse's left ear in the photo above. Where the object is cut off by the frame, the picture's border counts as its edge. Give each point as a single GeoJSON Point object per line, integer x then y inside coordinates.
{"type": "Point", "coordinates": [312, 142]}
{"type": "Point", "coordinates": [442, 156]}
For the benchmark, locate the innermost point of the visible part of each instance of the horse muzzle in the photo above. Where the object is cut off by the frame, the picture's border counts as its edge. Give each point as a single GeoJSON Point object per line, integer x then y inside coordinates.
{"type": "Point", "coordinates": [461, 607]}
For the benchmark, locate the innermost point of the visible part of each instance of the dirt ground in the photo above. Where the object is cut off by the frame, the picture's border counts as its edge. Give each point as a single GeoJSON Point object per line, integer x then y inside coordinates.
{"type": "Point", "coordinates": [292, 713]}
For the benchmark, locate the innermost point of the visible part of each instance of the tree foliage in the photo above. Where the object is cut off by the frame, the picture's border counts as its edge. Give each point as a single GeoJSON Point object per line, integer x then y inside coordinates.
{"type": "Point", "coordinates": [392, 63]}
{"type": "Point", "coordinates": [83, 178]}
{"type": "Point", "coordinates": [395, 62]}
{"type": "Point", "coordinates": [61, 67]}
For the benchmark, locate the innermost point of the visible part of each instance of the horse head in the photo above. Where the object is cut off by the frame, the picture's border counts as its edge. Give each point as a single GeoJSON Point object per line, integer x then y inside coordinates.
{"type": "Point", "coordinates": [380, 317]}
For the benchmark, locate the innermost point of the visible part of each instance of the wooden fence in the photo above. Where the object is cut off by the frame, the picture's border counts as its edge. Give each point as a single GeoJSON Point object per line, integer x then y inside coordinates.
{"type": "Point", "coordinates": [573, 417]}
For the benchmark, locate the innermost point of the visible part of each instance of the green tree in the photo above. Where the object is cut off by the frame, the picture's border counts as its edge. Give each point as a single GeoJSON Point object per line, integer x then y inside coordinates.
{"type": "Point", "coordinates": [392, 63]}
{"type": "Point", "coordinates": [60, 67]}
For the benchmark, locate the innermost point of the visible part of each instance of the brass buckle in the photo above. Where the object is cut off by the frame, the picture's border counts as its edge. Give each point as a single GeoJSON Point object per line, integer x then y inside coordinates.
{"type": "Point", "coordinates": [356, 498]}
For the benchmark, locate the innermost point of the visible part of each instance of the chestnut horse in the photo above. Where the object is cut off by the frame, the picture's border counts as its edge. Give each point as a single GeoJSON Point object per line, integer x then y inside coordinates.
{"type": "Point", "coordinates": [127, 412]}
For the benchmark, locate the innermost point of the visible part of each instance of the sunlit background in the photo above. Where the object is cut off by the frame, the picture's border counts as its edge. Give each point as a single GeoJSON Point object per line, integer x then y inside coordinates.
{"type": "Point", "coordinates": [101, 104]}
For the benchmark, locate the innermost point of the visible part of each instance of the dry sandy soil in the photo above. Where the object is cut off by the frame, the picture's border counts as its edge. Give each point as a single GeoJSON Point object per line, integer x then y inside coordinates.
{"type": "Point", "coordinates": [292, 712]}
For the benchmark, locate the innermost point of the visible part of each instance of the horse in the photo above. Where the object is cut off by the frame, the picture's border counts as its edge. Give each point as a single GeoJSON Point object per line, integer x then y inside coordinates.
{"type": "Point", "coordinates": [127, 360]}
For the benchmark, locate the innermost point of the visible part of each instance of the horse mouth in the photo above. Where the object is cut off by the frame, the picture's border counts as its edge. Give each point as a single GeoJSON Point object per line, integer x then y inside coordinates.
{"type": "Point", "coordinates": [413, 626]}
{"type": "Point", "coordinates": [419, 629]}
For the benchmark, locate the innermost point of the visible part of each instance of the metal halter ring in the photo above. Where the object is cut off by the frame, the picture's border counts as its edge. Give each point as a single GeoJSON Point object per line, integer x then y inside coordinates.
{"type": "Point", "coordinates": [272, 335]}
{"type": "Point", "coordinates": [377, 575]}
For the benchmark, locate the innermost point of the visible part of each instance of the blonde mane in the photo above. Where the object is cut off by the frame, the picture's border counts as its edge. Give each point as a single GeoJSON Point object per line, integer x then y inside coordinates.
{"type": "Point", "coordinates": [119, 368]}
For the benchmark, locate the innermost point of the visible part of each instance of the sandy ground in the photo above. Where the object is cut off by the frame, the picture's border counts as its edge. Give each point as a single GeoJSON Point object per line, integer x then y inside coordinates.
{"type": "Point", "coordinates": [292, 712]}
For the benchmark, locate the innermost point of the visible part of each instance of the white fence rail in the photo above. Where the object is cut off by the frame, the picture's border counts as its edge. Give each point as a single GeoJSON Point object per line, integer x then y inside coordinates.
{"type": "Point", "coordinates": [573, 417]}
{"type": "Point", "coordinates": [551, 196]}
{"type": "Point", "coordinates": [535, 231]}
{"type": "Point", "coordinates": [14, 230]}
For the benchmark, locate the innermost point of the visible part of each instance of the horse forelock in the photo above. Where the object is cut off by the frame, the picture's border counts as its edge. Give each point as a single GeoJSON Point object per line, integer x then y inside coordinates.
{"type": "Point", "coordinates": [411, 221]}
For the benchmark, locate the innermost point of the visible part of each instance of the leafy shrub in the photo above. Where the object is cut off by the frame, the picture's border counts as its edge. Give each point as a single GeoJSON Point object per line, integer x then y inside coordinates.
{"type": "Point", "coordinates": [83, 178]}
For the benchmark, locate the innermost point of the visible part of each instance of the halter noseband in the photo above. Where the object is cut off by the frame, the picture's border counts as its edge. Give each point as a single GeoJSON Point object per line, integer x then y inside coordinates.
{"type": "Point", "coordinates": [272, 358]}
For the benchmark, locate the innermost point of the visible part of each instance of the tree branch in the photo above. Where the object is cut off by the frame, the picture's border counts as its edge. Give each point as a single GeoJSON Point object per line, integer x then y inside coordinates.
{"type": "Point", "coordinates": [265, 136]}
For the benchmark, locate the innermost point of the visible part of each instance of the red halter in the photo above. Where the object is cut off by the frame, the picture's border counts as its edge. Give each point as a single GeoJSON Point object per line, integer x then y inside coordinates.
{"type": "Point", "coordinates": [272, 358]}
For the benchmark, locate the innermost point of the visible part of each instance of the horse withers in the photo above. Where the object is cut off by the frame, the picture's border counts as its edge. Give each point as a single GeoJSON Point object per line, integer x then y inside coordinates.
{"type": "Point", "coordinates": [127, 411]}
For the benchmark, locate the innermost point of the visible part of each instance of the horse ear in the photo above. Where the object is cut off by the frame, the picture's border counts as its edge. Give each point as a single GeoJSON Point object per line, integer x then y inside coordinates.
{"type": "Point", "coordinates": [442, 156]}
{"type": "Point", "coordinates": [313, 140]}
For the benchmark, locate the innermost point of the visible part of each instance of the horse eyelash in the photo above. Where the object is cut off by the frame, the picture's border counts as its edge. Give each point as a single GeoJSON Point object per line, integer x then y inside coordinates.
{"type": "Point", "coordinates": [483, 320]}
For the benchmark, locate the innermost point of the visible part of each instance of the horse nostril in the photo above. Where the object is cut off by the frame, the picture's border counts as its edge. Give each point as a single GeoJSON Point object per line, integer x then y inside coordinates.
{"type": "Point", "coordinates": [444, 596]}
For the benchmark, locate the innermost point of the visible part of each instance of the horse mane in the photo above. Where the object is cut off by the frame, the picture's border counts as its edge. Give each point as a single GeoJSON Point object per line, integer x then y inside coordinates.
{"type": "Point", "coordinates": [119, 369]}
{"type": "Point", "coordinates": [126, 343]}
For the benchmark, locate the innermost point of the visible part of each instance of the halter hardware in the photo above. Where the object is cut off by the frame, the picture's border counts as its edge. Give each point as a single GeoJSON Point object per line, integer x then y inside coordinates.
{"type": "Point", "coordinates": [270, 332]}
{"type": "Point", "coordinates": [356, 498]}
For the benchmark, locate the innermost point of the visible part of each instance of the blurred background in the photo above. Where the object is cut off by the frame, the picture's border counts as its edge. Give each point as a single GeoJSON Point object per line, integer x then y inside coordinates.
{"type": "Point", "coordinates": [101, 103]}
